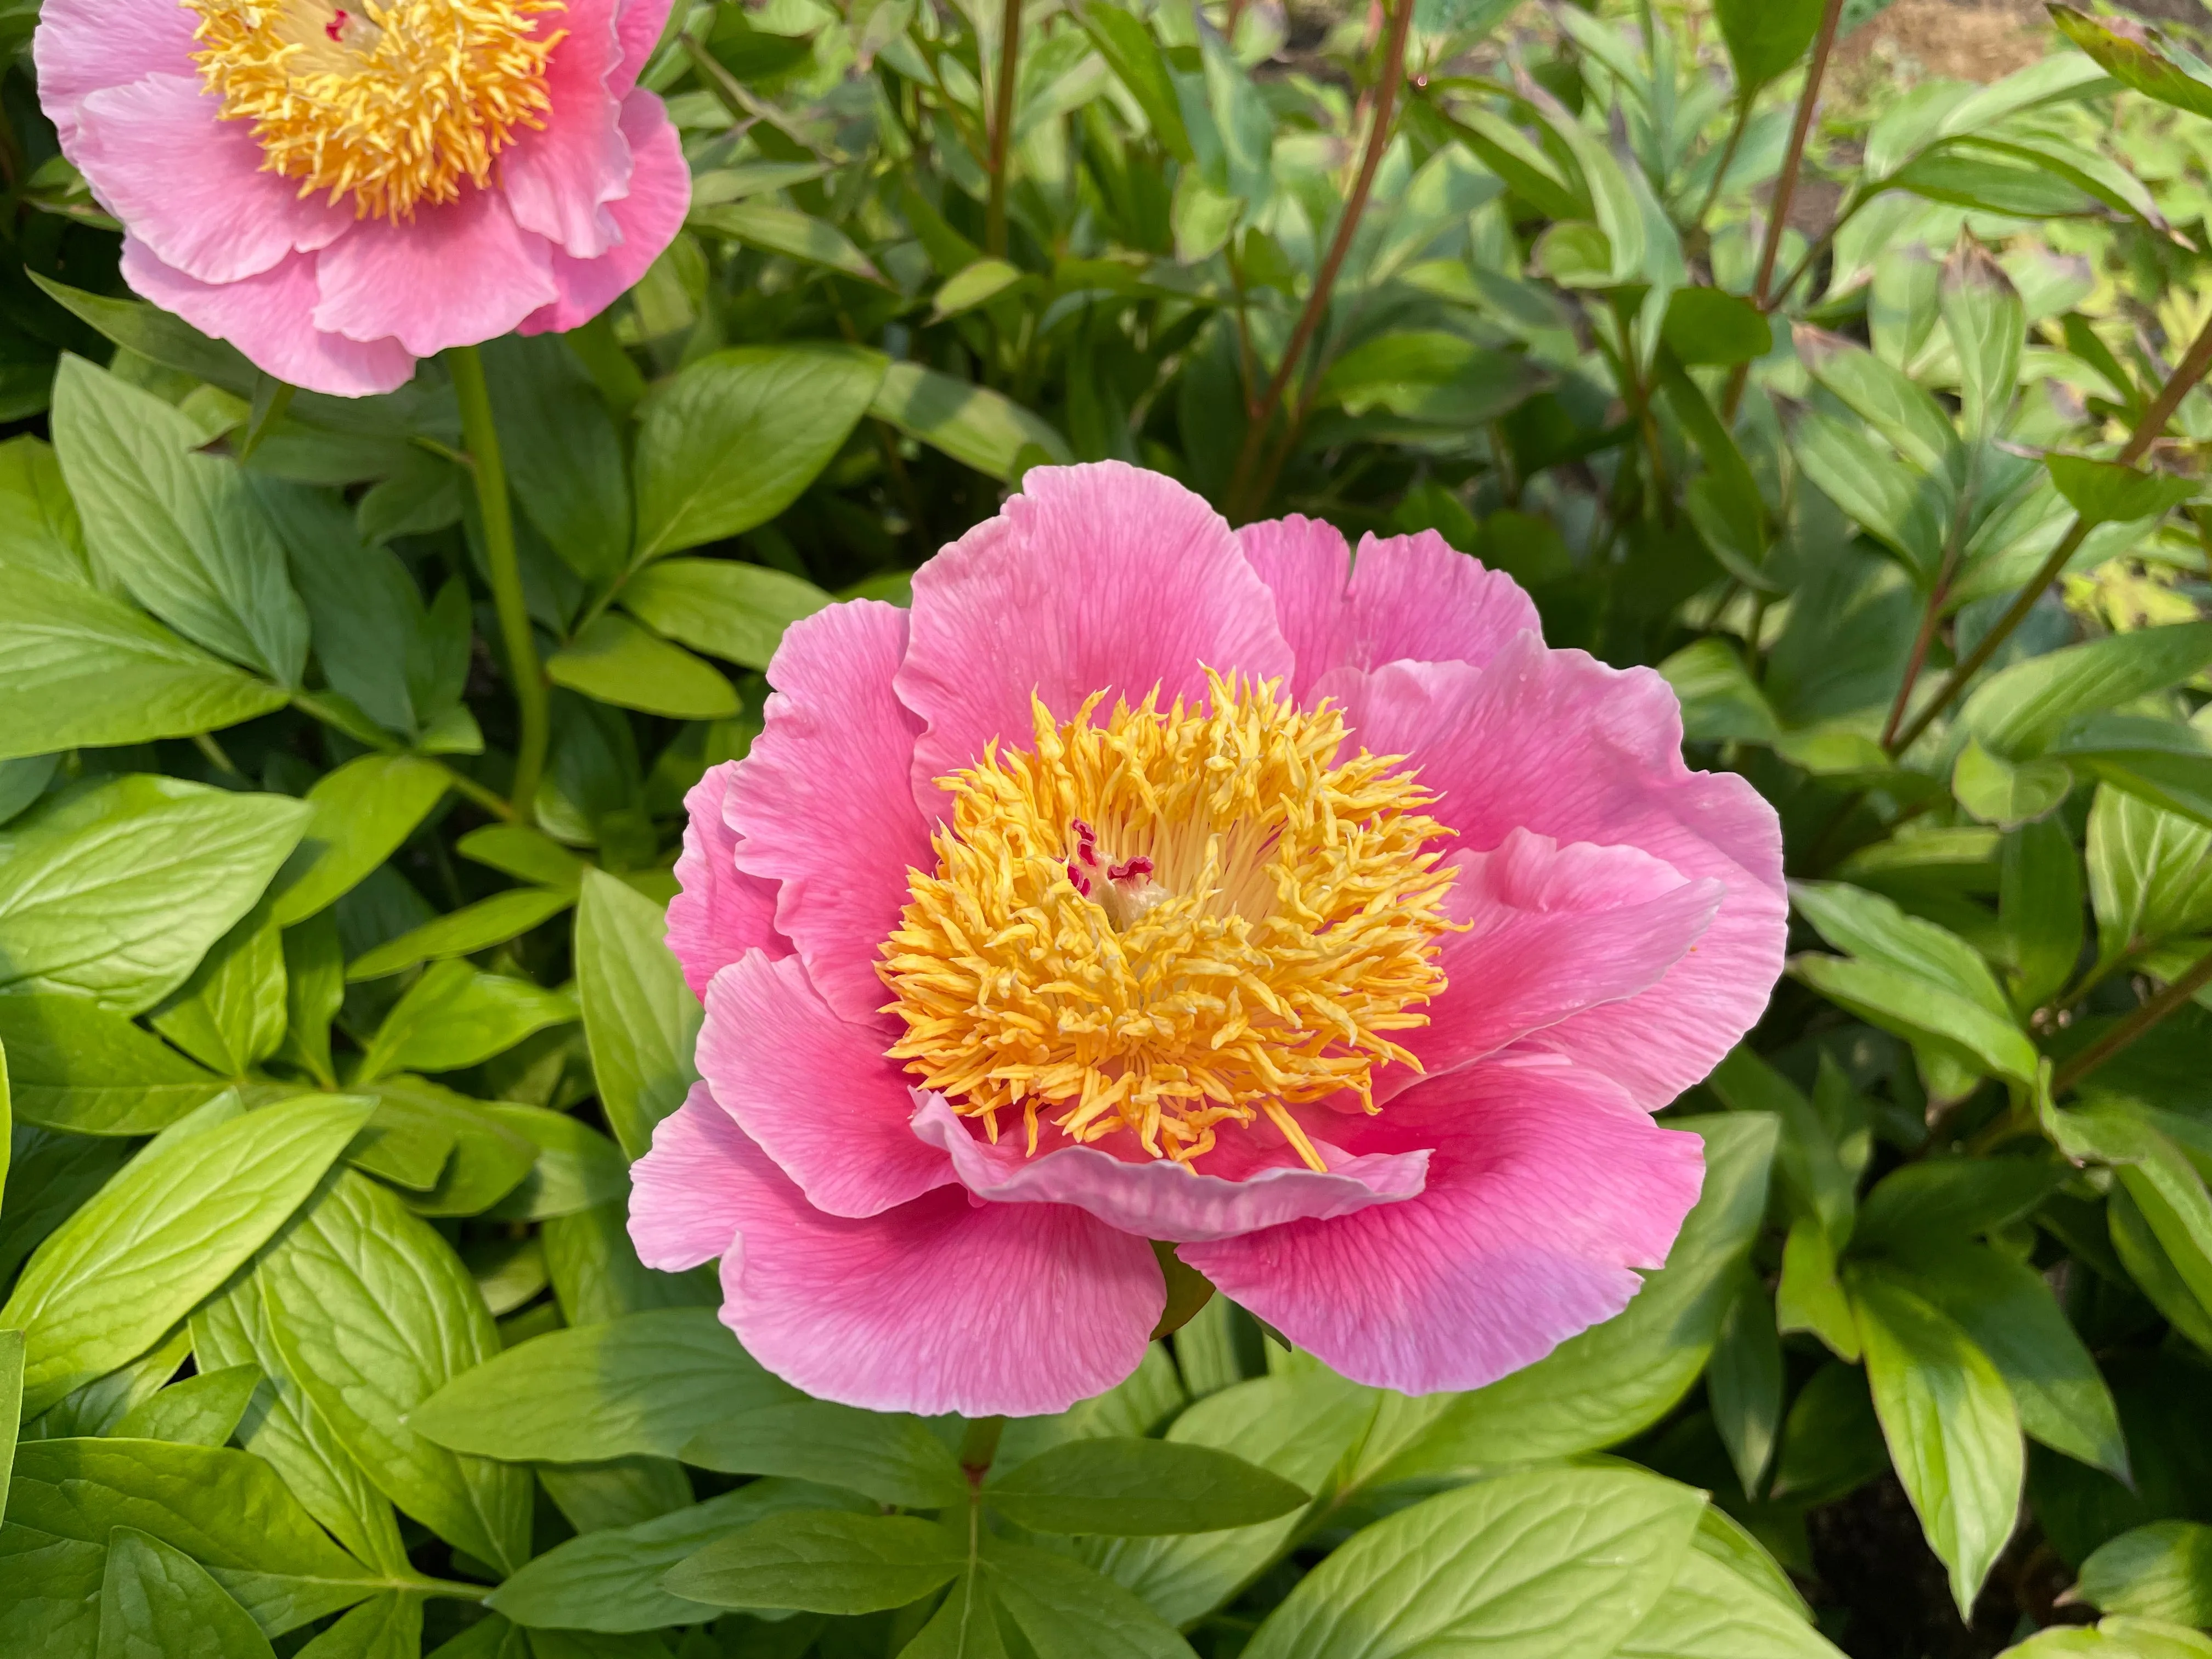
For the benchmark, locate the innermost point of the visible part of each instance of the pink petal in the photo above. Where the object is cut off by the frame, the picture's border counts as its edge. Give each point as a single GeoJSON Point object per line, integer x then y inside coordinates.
{"type": "Point", "coordinates": [557, 178]}
{"type": "Point", "coordinates": [1405, 596]}
{"type": "Point", "coordinates": [1554, 930]}
{"type": "Point", "coordinates": [940, 1305]}
{"type": "Point", "coordinates": [649, 218]}
{"type": "Point", "coordinates": [1158, 1198]}
{"type": "Point", "coordinates": [1545, 1188]}
{"type": "Point", "coordinates": [639, 24]}
{"type": "Point", "coordinates": [192, 187]}
{"type": "Point", "coordinates": [719, 912]}
{"type": "Point", "coordinates": [814, 1090]}
{"type": "Point", "coordinates": [270, 318]}
{"type": "Point", "coordinates": [82, 45]}
{"type": "Point", "coordinates": [823, 806]}
{"type": "Point", "coordinates": [1556, 743]}
{"type": "Point", "coordinates": [1094, 578]}
{"type": "Point", "coordinates": [457, 274]}
{"type": "Point", "coordinates": [682, 1208]}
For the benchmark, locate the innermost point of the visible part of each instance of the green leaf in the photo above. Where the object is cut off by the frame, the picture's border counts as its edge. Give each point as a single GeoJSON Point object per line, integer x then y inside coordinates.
{"type": "Point", "coordinates": [642, 1384]}
{"type": "Point", "coordinates": [1130, 1488]}
{"type": "Point", "coordinates": [118, 891]}
{"type": "Point", "coordinates": [2039, 905]}
{"type": "Point", "coordinates": [1997, 791]}
{"type": "Point", "coordinates": [2007, 1311]}
{"type": "Point", "coordinates": [2104, 492]}
{"type": "Point", "coordinates": [1898, 506]}
{"type": "Point", "coordinates": [387, 1627]}
{"type": "Point", "coordinates": [1952, 1430]}
{"type": "Point", "coordinates": [49, 1593]}
{"type": "Point", "coordinates": [1983, 314]}
{"type": "Point", "coordinates": [596, 1275]}
{"type": "Point", "coordinates": [1432, 377]}
{"type": "Point", "coordinates": [75, 1066]}
{"type": "Point", "coordinates": [455, 1016]}
{"type": "Point", "coordinates": [2136, 57]}
{"type": "Point", "coordinates": [973, 424]}
{"type": "Point", "coordinates": [1066, 1611]}
{"type": "Point", "coordinates": [1710, 1612]}
{"type": "Point", "coordinates": [973, 285]}
{"type": "Point", "coordinates": [1888, 400]}
{"type": "Point", "coordinates": [225, 1508]}
{"type": "Point", "coordinates": [458, 1158]}
{"type": "Point", "coordinates": [1935, 1021]}
{"type": "Point", "coordinates": [183, 532]}
{"type": "Point", "coordinates": [2150, 877]}
{"type": "Point", "coordinates": [11, 1398]}
{"type": "Point", "coordinates": [1744, 1383]}
{"type": "Point", "coordinates": [164, 1233]}
{"type": "Point", "coordinates": [1131, 52]}
{"type": "Point", "coordinates": [563, 456]}
{"type": "Point", "coordinates": [888, 1456]}
{"type": "Point", "coordinates": [2162, 762]}
{"type": "Point", "coordinates": [1720, 700]}
{"type": "Point", "coordinates": [1599, 1388]}
{"type": "Point", "coordinates": [1582, 1555]}
{"type": "Point", "coordinates": [822, 1561]}
{"type": "Point", "coordinates": [1808, 1297]}
{"type": "Point", "coordinates": [780, 229]}
{"type": "Point", "coordinates": [80, 669]}
{"type": "Point", "coordinates": [362, 812]}
{"type": "Point", "coordinates": [731, 610]}
{"type": "Point", "coordinates": [1941, 1203]}
{"type": "Point", "coordinates": [231, 1013]}
{"type": "Point", "coordinates": [617, 661]}
{"type": "Point", "coordinates": [156, 1602]}
{"type": "Point", "coordinates": [610, 1580]}
{"type": "Point", "coordinates": [2021, 710]}
{"type": "Point", "coordinates": [152, 333]}
{"type": "Point", "coordinates": [525, 854]}
{"type": "Point", "coordinates": [575, 1166]}
{"type": "Point", "coordinates": [2163, 1570]}
{"type": "Point", "coordinates": [1764, 37]}
{"type": "Point", "coordinates": [1982, 183]}
{"type": "Point", "coordinates": [1812, 1169]}
{"type": "Point", "coordinates": [373, 1313]}
{"type": "Point", "coordinates": [283, 1430]}
{"type": "Point", "coordinates": [640, 1018]}
{"type": "Point", "coordinates": [737, 435]}
{"type": "Point", "coordinates": [465, 932]}
{"type": "Point", "coordinates": [1708, 326]}
{"type": "Point", "coordinates": [38, 526]}
{"type": "Point", "coordinates": [203, 1410]}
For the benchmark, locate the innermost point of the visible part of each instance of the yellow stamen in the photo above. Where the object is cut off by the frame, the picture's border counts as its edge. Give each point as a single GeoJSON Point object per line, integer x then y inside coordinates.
{"type": "Point", "coordinates": [394, 104]}
{"type": "Point", "coordinates": [1169, 920]}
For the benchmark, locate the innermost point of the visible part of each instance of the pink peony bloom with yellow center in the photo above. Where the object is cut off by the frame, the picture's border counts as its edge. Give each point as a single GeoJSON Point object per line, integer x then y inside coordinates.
{"type": "Point", "coordinates": [1150, 880]}
{"type": "Point", "coordinates": [338, 187]}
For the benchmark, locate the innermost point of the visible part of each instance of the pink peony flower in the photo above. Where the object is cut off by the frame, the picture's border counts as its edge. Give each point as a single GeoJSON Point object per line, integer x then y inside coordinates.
{"type": "Point", "coordinates": [340, 189]}
{"type": "Point", "coordinates": [1150, 880]}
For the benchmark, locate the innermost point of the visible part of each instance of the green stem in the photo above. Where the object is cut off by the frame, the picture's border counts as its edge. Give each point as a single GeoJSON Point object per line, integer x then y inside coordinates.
{"type": "Point", "coordinates": [1002, 129]}
{"type": "Point", "coordinates": [482, 437]}
{"type": "Point", "coordinates": [979, 1446]}
{"type": "Point", "coordinates": [1727, 160]}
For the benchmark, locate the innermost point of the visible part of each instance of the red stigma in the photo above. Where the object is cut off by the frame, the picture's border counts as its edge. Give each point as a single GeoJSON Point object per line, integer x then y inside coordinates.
{"type": "Point", "coordinates": [1081, 882]}
{"type": "Point", "coordinates": [1130, 868]}
{"type": "Point", "coordinates": [336, 26]}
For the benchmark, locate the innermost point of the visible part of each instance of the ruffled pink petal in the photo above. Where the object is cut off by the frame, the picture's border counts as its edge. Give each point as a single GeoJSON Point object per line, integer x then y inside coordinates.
{"type": "Point", "coordinates": [943, 1304]}
{"type": "Point", "coordinates": [270, 318]}
{"type": "Point", "coordinates": [1556, 743]}
{"type": "Point", "coordinates": [814, 1090]}
{"type": "Point", "coordinates": [457, 274]}
{"type": "Point", "coordinates": [1158, 1198]}
{"type": "Point", "coordinates": [1095, 578]}
{"type": "Point", "coordinates": [82, 46]}
{"type": "Point", "coordinates": [649, 217]}
{"type": "Point", "coordinates": [192, 187]}
{"type": "Point", "coordinates": [558, 177]}
{"type": "Point", "coordinates": [1545, 1188]}
{"type": "Point", "coordinates": [823, 806]}
{"type": "Point", "coordinates": [1405, 596]}
{"type": "Point", "coordinates": [639, 25]}
{"type": "Point", "coordinates": [682, 1208]}
{"type": "Point", "coordinates": [1554, 930]}
{"type": "Point", "coordinates": [719, 912]}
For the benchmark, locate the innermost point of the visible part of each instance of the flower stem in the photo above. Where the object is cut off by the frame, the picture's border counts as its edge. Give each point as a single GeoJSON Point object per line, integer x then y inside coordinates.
{"type": "Point", "coordinates": [482, 437]}
{"type": "Point", "coordinates": [1002, 128]}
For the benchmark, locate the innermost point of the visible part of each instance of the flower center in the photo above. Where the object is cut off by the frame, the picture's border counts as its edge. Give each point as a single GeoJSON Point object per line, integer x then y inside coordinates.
{"type": "Point", "coordinates": [1170, 920]}
{"type": "Point", "coordinates": [395, 105]}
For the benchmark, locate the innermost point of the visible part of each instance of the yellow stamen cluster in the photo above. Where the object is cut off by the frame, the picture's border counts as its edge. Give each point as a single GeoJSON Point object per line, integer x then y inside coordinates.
{"type": "Point", "coordinates": [1279, 914]}
{"type": "Point", "coordinates": [394, 104]}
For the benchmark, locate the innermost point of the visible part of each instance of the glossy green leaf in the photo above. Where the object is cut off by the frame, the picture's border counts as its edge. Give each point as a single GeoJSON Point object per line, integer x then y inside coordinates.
{"type": "Point", "coordinates": [465, 932]}
{"type": "Point", "coordinates": [888, 1456]}
{"type": "Point", "coordinates": [564, 458]}
{"type": "Point", "coordinates": [1710, 1612]}
{"type": "Point", "coordinates": [973, 424]}
{"type": "Point", "coordinates": [11, 1398]}
{"type": "Point", "coordinates": [822, 1561]}
{"type": "Point", "coordinates": [1706, 326]}
{"type": "Point", "coordinates": [1808, 1296]}
{"type": "Point", "coordinates": [642, 1384]}
{"type": "Point", "coordinates": [156, 1602]}
{"type": "Point", "coordinates": [1130, 51]}
{"type": "Point", "coordinates": [386, 1627]}
{"type": "Point", "coordinates": [734, 438]}
{"type": "Point", "coordinates": [779, 229]}
{"type": "Point", "coordinates": [1765, 37]}
{"type": "Point", "coordinates": [638, 1016]}
{"type": "Point", "coordinates": [1983, 314]}
{"type": "Point", "coordinates": [363, 811]}
{"type": "Point", "coordinates": [610, 1580]}
{"type": "Point", "coordinates": [575, 1168]}
{"type": "Point", "coordinates": [73, 1065]}
{"type": "Point", "coordinates": [1744, 1383]}
{"type": "Point", "coordinates": [2019, 711]}
{"type": "Point", "coordinates": [203, 1410]}
{"type": "Point", "coordinates": [1063, 1609]}
{"type": "Point", "coordinates": [39, 530]}
{"type": "Point", "coordinates": [1952, 1432]}
{"type": "Point", "coordinates": [2103, 491]}
{"type": "Point", "coordinates": [2163, 1570]}
{"type": "Point", "coordinates": [525, 854]}
{"type": "Point", "coordinates": [455, 1016]}
{"type": "Point", "coordinates": [2009, 795]}
{"type": "Point", "coordinates": [116, 892]}
{"type": "Point", "coordinates": [721, 606]}
{"type": "Point", "coordinates": [182, 531]}
{"type": "Point", "coordinates": [167, 1231]}
{"type": "Point", "coordinates": [1883, 396]}
{"type": "Point", "coordinates": [618, 661]}
{"type": "Point", "coordinates": [230, 1015]}
{"type": "Point", "coordinates": [373, 1313]}
{"type": "Point", "coordinates": [2133, 55]}
{"type": "Point", "coordinates": [1134, 1487]}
